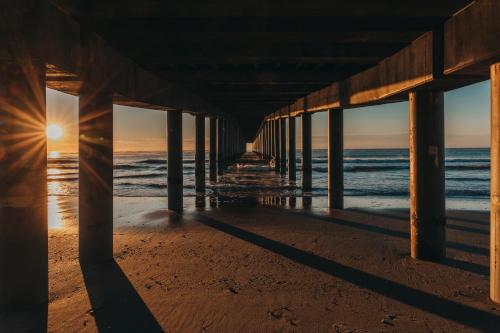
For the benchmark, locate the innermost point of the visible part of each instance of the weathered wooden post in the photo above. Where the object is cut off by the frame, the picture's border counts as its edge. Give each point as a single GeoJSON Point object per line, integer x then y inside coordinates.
{"type": "Point", "coordinates": [292, 150]}
{"type": "Point", "coordinates": [282, 123]}
{"type": "Point", "coordinates": [213, 149]}
{"type": "Point", "coordinates": [495, 185]}
{"type": "Point", "coordinates": [335, 159]}
{"type": "Point", "coordinates": [23, 181]}
{"type": "Point", "coordinates": [200, 160]}
{"type": "Point", "coordinates": [175, 165]}
{"type": "Point", "coordinates": [427, 190]}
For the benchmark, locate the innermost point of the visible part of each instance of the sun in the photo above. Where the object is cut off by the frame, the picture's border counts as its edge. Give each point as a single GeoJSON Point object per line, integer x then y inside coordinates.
{"type": "Point", "coordinates": [54, 132]}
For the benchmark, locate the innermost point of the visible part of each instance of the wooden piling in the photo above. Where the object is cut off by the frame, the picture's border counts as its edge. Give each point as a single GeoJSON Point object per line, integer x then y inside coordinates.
{"type": "Point", "coordinates": [175, 165]}
{"type": "Point", "coordinates": [427, 191]}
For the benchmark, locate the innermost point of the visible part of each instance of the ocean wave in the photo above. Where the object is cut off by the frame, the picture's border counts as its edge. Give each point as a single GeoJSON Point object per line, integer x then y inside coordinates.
{"type": "Point", "coordinates": [163, 161]}
{"type": "Point", "coordinates": [367, 168]}
{"type": "Point", "coordinates": [468, 167]}
{"type": "Point", "coordinates": [165, 168]}
{"type": "Point", "coordinates": [62, 160]}
{"type": "Point", "coordinates": [376, 160]}
{"type": "Point", "coordinates": [152, 186]}
{"type": "Point", "coordinates": [468, 179]}
{"type": "Point", "coordinates": [468, 160]}
{"type": "Point", "coordinates": [152, 161]}
{"type": "Point", "coordinates": [141, 176]}
{"type": "Point", "coordinates": [52, 179]}
{"type": "Point", "coordinates": [62, 167]}
{"type": "Point", "coordinates": [375, 168]}
{"type": "Point", "coordinates": [404, 193]}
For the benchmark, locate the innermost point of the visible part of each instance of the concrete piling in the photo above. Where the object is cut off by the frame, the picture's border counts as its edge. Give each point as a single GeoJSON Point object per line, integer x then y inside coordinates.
{"type": "Point", "coordinates": [427, 191]}
{"type": "Point", "coordinates": [306, 152]}
{"type": "Point", "coordinates": [200, 159]}
{"type": "Point", "coordinates": [213, 149]}
{"type": "Point", "coordinates": [335, 159]}
{"type": "Point", "coordinates": [220, 146]}
{"type": "Point", "coordinates": [277, 145]}
{"type": "Point", "coordinates": [495, 184]}
{"type": "Point", "coordinates": [96, 175]}
{"type": "Point", "coordinates": [23, 187]}
{"type": "Point", "coordinates": [292, 151]}
{"type": "Point", "coordinates": [282, 125]}
{"type": "Point", "coordinates": [175, 163]}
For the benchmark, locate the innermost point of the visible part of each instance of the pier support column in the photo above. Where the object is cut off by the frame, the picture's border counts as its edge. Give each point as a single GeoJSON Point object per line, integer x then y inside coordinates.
{"type": "Point", "coordinates": [495, 185]}
{"type": "Point", "coordinates": [96, 175]}
{"type": "Point", "coordinates": [267, 142]}
{"type": "Point", "coordinates": [220, 146]}
{"type": "Point", "coordinates": [427, 191]}
{"type": "Point", "coordinates": [23, 186]}
{"type": "Point", "coordinates": [306, 152]}
{"type": "Point", "coordinates": [283, 145]}
{"type": "Point", "coordinates": [292, 151]}
{"type": "Point", "coordinates": [277, 146]}
{"type": "Point", "coordinates": [213, 149]}
{"type": "Point", "coordinates": [226, 144]}
{"type": "Point", "coordinates": [336, 159]}
{"type": "Point", "coordinates": [200, 160]}
{"type": "Point", "coordinates": [175, 178]}
{"type": "Point", "coordinates": [270, 140]}
{"type": "Point", "coordinates": [263, 141]}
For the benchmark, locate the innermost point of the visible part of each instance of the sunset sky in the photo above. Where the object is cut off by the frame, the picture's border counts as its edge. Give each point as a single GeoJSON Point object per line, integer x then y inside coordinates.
{"type": "Point", "coordinates": [384, 126]}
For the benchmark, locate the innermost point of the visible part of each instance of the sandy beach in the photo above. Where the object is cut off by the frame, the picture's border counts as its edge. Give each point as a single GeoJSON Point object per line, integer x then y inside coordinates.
{"type": "Point", "coordinates": [254, 268]}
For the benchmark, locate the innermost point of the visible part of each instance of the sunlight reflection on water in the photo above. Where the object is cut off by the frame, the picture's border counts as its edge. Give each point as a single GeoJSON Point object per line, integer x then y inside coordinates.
{"type": "Point", "coordinates": [55, 216]}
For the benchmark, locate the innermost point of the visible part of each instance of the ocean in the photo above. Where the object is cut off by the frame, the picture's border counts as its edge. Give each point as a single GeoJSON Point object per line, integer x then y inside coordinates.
{"type": "Point", "coordinates": [374, 178]}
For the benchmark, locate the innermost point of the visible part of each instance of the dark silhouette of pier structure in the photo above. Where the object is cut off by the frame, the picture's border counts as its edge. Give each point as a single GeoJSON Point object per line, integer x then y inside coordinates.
{"type": "Point", "coordinates": [252, 67]}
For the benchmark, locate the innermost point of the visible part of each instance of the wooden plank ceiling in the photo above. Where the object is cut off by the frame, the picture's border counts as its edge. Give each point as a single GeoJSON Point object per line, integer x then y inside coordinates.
{"type": "Point", "coordinates": [252, 57]}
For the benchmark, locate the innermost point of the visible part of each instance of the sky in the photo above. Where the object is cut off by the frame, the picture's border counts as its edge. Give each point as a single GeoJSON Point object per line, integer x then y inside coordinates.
{"type": "Point", "coordinates": [467, 124]}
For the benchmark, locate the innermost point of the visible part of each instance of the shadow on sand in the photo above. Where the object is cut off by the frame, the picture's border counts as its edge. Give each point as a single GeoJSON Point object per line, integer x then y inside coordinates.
{"type": "Point", "coordinates": [33, 320]}
{"type": "Point", "coordinates": [116, 305]}
{"type": "Point", "coordinates": [390, 232]}
{"type": "Point", "coordinates": [455, 263]}
{"type": "Point", "coordinates": [457, 312]}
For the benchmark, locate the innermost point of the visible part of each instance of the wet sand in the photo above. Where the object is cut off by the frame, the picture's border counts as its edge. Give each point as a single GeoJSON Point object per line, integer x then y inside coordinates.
{"type": "Point", "coordinates": [256, 265]}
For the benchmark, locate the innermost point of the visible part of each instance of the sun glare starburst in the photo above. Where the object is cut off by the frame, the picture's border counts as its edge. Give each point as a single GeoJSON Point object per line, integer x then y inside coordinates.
{"type": "Point", "coordinates": [54, 132]}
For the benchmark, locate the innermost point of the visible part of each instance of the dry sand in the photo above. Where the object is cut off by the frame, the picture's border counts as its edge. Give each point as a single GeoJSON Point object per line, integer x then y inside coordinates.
{"type": "Point", "coordinates": [264, 269]}
{"type": "Point", "coordinates": [255, 268]}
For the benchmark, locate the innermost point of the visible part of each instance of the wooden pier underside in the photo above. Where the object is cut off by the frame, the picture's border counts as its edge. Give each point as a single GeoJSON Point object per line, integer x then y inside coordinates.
{"type": "Point", "coordinates": [251, 58]}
